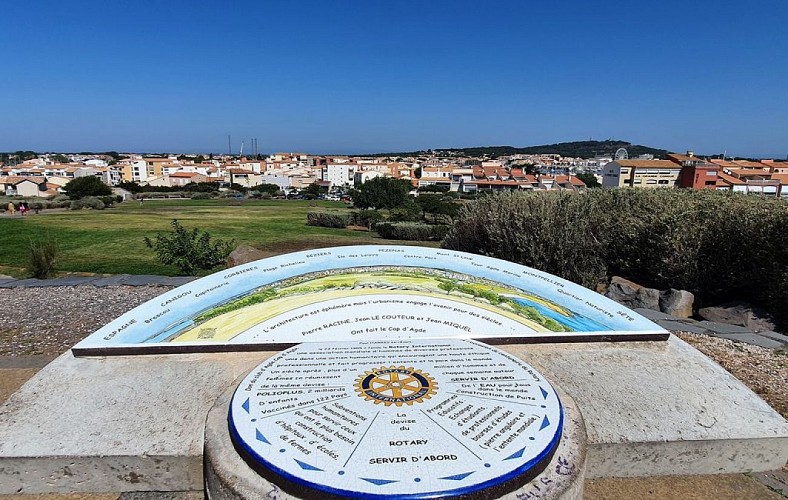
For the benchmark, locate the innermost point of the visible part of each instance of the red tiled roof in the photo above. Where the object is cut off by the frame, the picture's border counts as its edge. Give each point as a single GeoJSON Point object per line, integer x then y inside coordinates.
{"type": "Point", "coordinates": [648, 164]}
{"type": "Point", "coordinates": [13, 180]}
{"type": "Point", "coordinates": [783, 178]}
{"type": "Point", "coordinates": [575, 181]}
{"type": "Point", "coordinates": [730, 179]}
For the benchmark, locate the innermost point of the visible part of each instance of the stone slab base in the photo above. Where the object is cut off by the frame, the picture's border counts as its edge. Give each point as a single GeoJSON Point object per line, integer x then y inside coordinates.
{"type": "Point", "coordinates": [662, 408]}
{"type": "Point", "coordinates": [113, 424]}
{"type": "Point", "coordinates": [136, 423]}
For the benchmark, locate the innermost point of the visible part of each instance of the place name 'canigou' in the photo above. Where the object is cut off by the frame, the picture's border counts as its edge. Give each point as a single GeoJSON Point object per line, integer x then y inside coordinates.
{"type": "Point", "coordinates": [176, 297]}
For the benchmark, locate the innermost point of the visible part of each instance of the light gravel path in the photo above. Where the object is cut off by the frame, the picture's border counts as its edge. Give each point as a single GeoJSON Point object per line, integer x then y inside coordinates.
{"type": "Point", "coordinates": [50, 320]}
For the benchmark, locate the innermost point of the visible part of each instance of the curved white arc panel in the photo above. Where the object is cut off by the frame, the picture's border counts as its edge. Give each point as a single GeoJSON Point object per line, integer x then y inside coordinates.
{"type": "Point", "coordinates": [359, 292]}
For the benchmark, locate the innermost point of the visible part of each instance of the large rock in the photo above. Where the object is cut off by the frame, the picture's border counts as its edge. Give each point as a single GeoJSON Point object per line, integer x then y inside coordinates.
{"type": "Point", "coordinates": [632, 295]}
{"type": "Point", "coordinates": [244, 254]}
{"type": "Point", "coordinates": [741, 314]}
{"type": "Point", "coordinates": [677, 303]}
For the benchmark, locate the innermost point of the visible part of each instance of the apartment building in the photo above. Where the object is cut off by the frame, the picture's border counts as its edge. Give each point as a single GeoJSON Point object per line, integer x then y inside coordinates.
{"type": "Point", "coordinates": [641, 174]}
{"type": "Point", "coordinates": [339, 174]}
{"type": "Point", "coordinates": [696, 173]}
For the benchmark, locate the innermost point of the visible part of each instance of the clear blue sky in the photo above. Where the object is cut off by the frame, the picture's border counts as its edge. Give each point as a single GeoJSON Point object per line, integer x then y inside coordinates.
{"type": "Point", "coordinates": [362, 76]}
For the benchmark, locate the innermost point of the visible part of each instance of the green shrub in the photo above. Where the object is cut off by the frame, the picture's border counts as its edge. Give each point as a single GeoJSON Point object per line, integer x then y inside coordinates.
{"type": "Point", "coordinates": [58, 201]}
{"type": "Point", "coordinates": [43, 256]}
{"type": "Point", "coordinates": [87, 202]}
{"type": "Point", "coordinates": [411, 231]}
{"type": "Point", "coordinates": [408, 213]}
{"type": "Point", "coordinates": [190, 251]}
{"type": "Point", "coordinates": [201, 196]}
{"type": "Point", "coordinates": [110, 200]}
{"type": "Point", "coordinates": [328, 219]}
{"type": "Point", "coordinates": [172, 193]}
{"type": "Point", "coordinates": [381, 192]}
{"type": "Point", "coordinates": [367, 218]}
{"type": "Point", "coordinates": [719, 246]}
{"type": "Point", "coordinates": [86, 186]}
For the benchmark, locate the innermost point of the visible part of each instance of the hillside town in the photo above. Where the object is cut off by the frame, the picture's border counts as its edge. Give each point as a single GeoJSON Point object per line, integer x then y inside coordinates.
{"type": "Point", "coordinates": [46, 175]}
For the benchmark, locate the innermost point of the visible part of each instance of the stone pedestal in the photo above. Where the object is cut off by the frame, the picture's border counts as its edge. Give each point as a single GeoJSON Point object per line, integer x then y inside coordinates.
{"type": "Point", "coordinates": [229, 477]}
{"type": "Point", "coordinates": [301, 427]}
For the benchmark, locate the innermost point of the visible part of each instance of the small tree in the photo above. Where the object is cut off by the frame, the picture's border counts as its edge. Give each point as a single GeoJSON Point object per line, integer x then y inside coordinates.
{"type": "Point", "coordinates": [381, 192]}
{"type": "Point", "coordinates": [589, 179]}
{"type": "Point", "coordinates": [191, 250]}
{"type": "Point", "coordinates": [314, 190]}
{"type": "Point", "coordinates": [43, 255]}
{"type": "Point", "coordinates": [437, 205]}
{"type": "Point", "coordinates": [90, 185]}
{"type": "Point", "coordinates": [271, 189]}
{"type": "Point", "coordinates": [130, 186]}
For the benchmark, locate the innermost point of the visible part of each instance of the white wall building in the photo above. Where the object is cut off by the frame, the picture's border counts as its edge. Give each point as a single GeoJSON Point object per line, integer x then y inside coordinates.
{"type": "Point", "coordinates": [339, 174]}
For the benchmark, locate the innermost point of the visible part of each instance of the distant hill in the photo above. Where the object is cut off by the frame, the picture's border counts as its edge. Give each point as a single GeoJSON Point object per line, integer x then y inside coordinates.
{"type": "Point", "coordinates": [581, 149]}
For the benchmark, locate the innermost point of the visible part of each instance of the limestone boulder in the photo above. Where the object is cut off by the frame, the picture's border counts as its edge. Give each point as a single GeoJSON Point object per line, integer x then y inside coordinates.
{"type": "Point", "coordinates": [741, 314]}
{"type": "Point", "coordinates": [677, 303]}
{"type": "Point", "coordinates": [244, 254]}
{"type": "Point", "coordinates": [632, 295]}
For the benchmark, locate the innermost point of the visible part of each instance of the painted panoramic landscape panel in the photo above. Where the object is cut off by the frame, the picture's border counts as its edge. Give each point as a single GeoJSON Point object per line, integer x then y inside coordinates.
{"type": "Point", "coordinates": [369, 293]}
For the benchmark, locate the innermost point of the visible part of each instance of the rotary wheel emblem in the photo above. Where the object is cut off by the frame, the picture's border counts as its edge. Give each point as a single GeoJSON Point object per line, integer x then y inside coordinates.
{"type": "Point", "coordinates": [395, 385]}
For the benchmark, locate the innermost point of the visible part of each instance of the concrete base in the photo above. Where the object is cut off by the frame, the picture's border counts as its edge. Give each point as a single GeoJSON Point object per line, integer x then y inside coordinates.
{"type": "Point", "coordinates": [137, 423]}
{"type": "Point", "coordinates": [114, 424]}
{"type": "Point", "coordinates": [229, 477]}
{"type": "Point", "coordinates": [662, 408]}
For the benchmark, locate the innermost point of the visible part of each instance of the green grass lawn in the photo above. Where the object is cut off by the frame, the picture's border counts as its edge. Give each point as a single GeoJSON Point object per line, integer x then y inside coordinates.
{"type": "Point", "coordinates": [111, 241]}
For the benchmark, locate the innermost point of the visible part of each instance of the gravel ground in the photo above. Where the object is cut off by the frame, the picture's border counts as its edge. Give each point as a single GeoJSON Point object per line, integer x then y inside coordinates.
{"type": "Point", "coordinates": [762, 370]}
{"type": "Point", "coordinates": [50, 320]}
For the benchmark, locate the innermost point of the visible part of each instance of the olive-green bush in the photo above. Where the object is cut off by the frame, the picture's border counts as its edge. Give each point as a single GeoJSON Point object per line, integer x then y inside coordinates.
{"type": "Point", "coordinates": [328, 219]}
{"type": "Point", "coordinates": [720, 246]}
{"type": "Point", "coordinates": [190, 250]}
{"type": "Point", "coordinates": [43, 256]}
{"type": "Point", "coordinates": [368, 218]}
{"type": "Point", "coordinates": [87, 202]}
{"type": "Point", "coordinates": [411, 231]}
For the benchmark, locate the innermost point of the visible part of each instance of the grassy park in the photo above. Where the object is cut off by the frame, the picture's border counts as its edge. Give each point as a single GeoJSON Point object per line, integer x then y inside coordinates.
{"type": "Point", "coordinates": [111, 241]}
